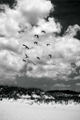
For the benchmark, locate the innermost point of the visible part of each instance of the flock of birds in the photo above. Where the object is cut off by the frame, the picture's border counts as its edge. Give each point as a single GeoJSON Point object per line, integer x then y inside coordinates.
{"type": "Point", "coordinates": [34, 43]}
{"type": "Point", "coordinates": [73, 65]}
{"type": "Point", "coordinates": [26, 56]}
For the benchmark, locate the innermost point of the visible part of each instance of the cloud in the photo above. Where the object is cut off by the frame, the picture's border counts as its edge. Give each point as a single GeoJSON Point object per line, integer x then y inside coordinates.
{"type": "Point", "coordinates": [12, 22]}
{"type": "Point", "coordinates": [19, 26]}
{"type": "Point", "coordinates": [72, 30]}
{"type": "Point", "coordinates": [61, 85]}
{"type": "Point", "coordinates": [64, 50]}
{"type": "Point", "coordinates": [49, 26]}
{"type": "Point", "coordinates": [10, 65]}
{"type": "Point", "coordinates": [78, 84]}
{"type": "Point", "coordinates": [32, 10]}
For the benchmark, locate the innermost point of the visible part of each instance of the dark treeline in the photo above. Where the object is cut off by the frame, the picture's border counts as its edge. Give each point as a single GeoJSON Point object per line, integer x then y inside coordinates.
{"type": "Point", "coordinates": [64, 91]}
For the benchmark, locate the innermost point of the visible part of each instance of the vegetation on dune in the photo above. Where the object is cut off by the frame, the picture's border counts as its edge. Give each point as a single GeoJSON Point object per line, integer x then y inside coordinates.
{"type": "Point", "coordinates": [38, 95]}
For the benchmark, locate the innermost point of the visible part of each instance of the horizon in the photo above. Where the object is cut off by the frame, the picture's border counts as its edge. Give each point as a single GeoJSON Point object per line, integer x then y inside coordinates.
{"type": "Point", "coordinates": [26, 88]}
{"type": "Point", "coordinates": [40, 44]}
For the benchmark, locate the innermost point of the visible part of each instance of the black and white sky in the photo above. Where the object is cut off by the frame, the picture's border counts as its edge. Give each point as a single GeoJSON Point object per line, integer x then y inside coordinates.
{"type": "Point", "coordinates": [56, 23]}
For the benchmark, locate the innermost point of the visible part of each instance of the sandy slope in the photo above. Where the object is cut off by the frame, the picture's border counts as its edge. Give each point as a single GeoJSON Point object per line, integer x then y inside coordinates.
{"type": "Point", "coordinates": [22, 111]}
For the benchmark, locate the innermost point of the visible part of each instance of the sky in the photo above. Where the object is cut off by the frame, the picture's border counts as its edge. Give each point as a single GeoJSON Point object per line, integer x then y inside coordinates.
{"type": "Point", "coordinates": [57, 23]}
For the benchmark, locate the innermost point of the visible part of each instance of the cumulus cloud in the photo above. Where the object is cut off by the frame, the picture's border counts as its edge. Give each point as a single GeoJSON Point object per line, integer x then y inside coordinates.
{"type": "Point", "coordinates": [49, 26]}
{"type": "Point", "coordinates": [19, 26]}
{"type": "Point", "coordinates": [76, 77]}
{"type": "Point", "coordinates": [72, 30]}
{"type": "Point", "coordinates": [31, 10]}
{"type": "Point", "coordinates": [78, 84]}
{"type": "Point", "coordinates": [61, 85]}
{"type": "Point", "coordinates": [16, 29]}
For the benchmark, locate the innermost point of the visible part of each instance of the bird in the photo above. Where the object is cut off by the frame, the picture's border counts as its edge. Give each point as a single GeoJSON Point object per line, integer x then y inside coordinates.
{"type": "Point", "coordinates": [50, 55]}
{"type": "Point", "coordinates": [26, 46]}
{"type": "Point", "coordinates": [24, 60]}
{"type": "Point", "coordinates": [36, 36]}
{"type": "Point", "coordinates": [26, 56]}
{"type": "Point", "coordinates": [38, 58]}
{"type": "Point", "coordinates": [43, 31]}
{"type": "Point", "coordinates": [35, 42]}
{"type": "Point", "coordinates": [48, 44]}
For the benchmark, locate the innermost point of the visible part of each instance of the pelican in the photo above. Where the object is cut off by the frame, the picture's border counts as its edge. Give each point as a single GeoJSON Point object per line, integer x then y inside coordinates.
{"type": "Point", "coordinates": [37, 36]}
{"type": "Point", "coordinates": [48, 44]}
{"type": "Point", "coordinates": [26, 46]}
{"type": "Point", "coordinates": [38, 58]}
{"type": "Point", "coordinates": [50, 55]}
{"type": "Point", "coordinates": [35, 42]}
{"type": "Point", "coordinates": [43, 31]}
{"type": "Point", "coordinates": [26, 56]}
{"type": "Point", "coordinates": [24, 60]}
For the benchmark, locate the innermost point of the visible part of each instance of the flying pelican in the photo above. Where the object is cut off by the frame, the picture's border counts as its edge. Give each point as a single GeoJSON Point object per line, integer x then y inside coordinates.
{"type": "Point", "coordinates": [48, 44]}
{"type": "Point", "coordinates": [38, 58]}
{"type": "Point", "coordinates": [43, 31]}
{"type": "Point", "coordinates": [26, 56]}
{"type": "Point", "coordinates": [26, 46]}
{"type": "Point", "coordinates": [36, 36]}
{"type": "Point", "coordinates": [50, 55]}
{"type": "Point", "coordinates": [35, 42]}
{"type": "Point", "coordinates": [24, 60]}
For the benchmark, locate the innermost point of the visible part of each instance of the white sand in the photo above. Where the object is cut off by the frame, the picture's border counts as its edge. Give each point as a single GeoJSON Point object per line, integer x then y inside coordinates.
{"type": "Point", "coordinates": [21, 111]}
